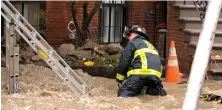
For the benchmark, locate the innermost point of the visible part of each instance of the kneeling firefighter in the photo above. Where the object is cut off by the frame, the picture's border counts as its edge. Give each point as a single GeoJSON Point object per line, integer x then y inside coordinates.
{"type": "Point", "coordinates": [140, 64]}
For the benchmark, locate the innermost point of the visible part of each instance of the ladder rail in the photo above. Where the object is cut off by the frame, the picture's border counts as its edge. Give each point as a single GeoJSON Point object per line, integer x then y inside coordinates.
{"type": "Point", "coordinates": [33, 39]}
{"type": "Point", "coordinates": [60, 60]}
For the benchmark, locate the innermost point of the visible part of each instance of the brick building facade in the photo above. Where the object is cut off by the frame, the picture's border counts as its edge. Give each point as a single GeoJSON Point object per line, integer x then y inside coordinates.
{"type": "Point", "coordinates": [59, 15]}
{"type": "Point", "coordinates": [174, 33]}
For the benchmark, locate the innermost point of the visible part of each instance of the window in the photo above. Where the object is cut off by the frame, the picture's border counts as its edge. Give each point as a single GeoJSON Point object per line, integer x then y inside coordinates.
{"type": "Point", "coordinates": [30, 10]}
{"type": "Point", "coordinates": [113, 18]}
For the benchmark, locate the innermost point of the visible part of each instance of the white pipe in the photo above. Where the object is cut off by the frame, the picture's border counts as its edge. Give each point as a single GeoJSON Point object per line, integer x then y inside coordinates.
{"type": "Point", "coordinates": [202, 54]}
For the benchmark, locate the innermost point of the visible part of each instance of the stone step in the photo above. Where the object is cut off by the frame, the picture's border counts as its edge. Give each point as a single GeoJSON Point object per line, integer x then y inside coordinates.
{"type": "Point", "coordinates": [171, 2]}
{"type": "Point", "coordinates": [196, 38]}
{"type": "Point", "coordinates": [194, 23]}
{"type": "Point", "coordinates": [184, 2]}
{"type": "Point", "coordinates": [215, 71]}
{"type": "Point", "coordinates": [217, 48]}
{"type": "Point", "coordinates": [187, 11]}
{"type": "Point", "coordinates": [181, 2]}
{"type": "Point", "coordinates": [192, 35]}
{"type": "Point", "coordinates": [216, 67]}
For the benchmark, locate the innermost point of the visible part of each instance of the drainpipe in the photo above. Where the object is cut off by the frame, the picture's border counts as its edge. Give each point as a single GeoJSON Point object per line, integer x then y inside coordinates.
{"type": "Point", "coordinates": [161, 47]}
{"type": "Point", "coordinates": [162, 37]}
{"type": "Point", "coordinates": [202, 54]}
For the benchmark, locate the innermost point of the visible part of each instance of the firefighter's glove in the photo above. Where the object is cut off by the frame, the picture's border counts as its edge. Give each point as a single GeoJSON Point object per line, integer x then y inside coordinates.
{"type": "Point", "coordinates": [210, 97]}
{"type": "Point", "coordinates": [120, 84]}
{"type": "Point", "coordinates": [119, 81]}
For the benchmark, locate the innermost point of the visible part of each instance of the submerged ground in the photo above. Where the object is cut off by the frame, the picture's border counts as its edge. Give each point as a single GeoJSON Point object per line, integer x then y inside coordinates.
{"type": "Point", "coordinates": [41, 89]}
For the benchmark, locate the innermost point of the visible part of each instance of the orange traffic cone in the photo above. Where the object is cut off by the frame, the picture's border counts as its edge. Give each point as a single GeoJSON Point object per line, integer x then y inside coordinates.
{"type": "Point", "coordinates": [172, 73]}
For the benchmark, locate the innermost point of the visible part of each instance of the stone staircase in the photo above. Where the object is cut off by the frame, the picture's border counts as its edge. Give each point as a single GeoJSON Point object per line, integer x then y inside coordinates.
{"type": "Point", "coordinates": [188, 20]}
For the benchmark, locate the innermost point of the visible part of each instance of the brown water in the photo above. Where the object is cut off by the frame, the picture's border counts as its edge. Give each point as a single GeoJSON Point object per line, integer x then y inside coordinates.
{"type": "Point", "coordinates": [43, 90]}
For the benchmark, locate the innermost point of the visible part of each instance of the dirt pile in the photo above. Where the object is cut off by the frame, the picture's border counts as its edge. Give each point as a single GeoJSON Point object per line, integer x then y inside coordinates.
{"type": "Point", "coordinates": [41, 89]}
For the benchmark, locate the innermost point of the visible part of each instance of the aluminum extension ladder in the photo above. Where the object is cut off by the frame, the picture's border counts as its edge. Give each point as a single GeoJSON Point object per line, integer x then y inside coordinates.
{"type": "Point", "coordinates": [15, 21]}
{"type": "Point", "coordinates": [12, 59]}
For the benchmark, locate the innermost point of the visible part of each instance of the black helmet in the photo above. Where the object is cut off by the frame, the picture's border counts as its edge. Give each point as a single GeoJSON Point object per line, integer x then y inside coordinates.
{"type": "Point", "coordinates": [137, 29]}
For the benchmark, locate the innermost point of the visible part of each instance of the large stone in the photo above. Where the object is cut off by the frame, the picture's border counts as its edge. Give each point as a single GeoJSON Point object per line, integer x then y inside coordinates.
{"type": "Point", "coordinates": [113, 48]}
{"type": "Point", "coordinates": [98, 50]}
{"type": "Point", "coordinates": [82, 54]}
{"type": "Point", "coordinates": [36, 58]}
{"type": "Point", "coordinates": [30, 51]}
{"type": "Point", "coordinates": [23, 59]}
{"type": "Point", "coordinates": [27, 52]}
{"type": "Point", "coordinates": [66, 49]}
{"type": "Point", "coordinates": [89, 45]}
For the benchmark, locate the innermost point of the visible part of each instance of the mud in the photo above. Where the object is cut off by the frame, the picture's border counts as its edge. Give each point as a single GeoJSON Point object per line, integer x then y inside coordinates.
{"type": "Point", "coordinates": [41, 89]}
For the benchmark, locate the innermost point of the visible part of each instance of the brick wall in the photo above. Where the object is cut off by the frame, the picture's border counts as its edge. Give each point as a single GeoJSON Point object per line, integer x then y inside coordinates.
{"type": "Point", "coordinates": [137, 11]}
{"type": "Point", "coordinates": [174, 33]}
{"type": "Point", "coordinates": [58, 15]}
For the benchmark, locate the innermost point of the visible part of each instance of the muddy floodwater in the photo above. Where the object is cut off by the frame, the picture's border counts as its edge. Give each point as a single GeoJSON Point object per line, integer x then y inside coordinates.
{"type": "Point", "coordinates": [41, 89]}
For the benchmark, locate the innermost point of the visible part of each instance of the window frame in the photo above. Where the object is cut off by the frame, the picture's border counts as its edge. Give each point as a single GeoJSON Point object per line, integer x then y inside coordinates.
{"type": "Point", "coordinates": [124, 21]}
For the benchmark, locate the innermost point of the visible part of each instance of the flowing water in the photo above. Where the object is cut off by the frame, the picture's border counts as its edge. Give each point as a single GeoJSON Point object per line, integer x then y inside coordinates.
{"type": "Point", "coordinates": [40, 89]}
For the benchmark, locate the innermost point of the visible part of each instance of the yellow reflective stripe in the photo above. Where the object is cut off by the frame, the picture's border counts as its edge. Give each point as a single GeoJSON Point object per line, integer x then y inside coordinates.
{"type": "Point", "coordinates": [150, 51]}
{"type": "Point", "coordinates": [144, 72]}
{"type": "Point", "coordinates": [135, 55]}
{"type": "Point", "coordinates": [144, 50]}
{"type": "Point", "coordinates": [143, 59]}
{"type": "Point", "coordinates": [120, 77]}
{"type": "Point", "coordinates": [150, 46]}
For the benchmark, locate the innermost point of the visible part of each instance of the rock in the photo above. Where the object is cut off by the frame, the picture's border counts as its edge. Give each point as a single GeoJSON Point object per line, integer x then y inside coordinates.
{"type": "Point", "coordinates": [99, 51]}
{"type": "Point", "coordinates": [66, 49]}
{"type": "Point", "coordinates": [82, 54]}
{"type": "Point", "coordinates": [36, 58]}
{"type": "Point", "coordinates": [23, 59]}
{"type": "Point", "coordinates": [30, 51]}
{"type": "Point", "coordinates": [113, 48]}
{"type": "Point", "coordinates": [89, 45]}
{"type": "Point", "coordinates": [103, 47]}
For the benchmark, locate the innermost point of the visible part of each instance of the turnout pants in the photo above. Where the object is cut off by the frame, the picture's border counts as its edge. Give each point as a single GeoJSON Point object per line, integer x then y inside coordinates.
{"type": "Point", "coordinates": [135, 83]}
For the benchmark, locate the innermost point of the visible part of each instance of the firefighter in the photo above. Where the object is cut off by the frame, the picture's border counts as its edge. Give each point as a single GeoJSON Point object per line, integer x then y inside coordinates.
{"type": "Point", "coordinates": [140, 64]}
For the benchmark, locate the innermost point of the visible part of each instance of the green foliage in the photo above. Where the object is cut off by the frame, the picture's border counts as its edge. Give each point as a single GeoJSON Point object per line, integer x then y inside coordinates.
{"type": "Point", "coordinates": [112, 61]}
{"type": "Point", "coordinates": [42, 23]}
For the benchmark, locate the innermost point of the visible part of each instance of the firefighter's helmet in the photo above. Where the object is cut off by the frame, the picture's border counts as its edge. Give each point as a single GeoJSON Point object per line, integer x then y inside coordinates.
{"type": "Point", "coordinates": [135, 28]}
